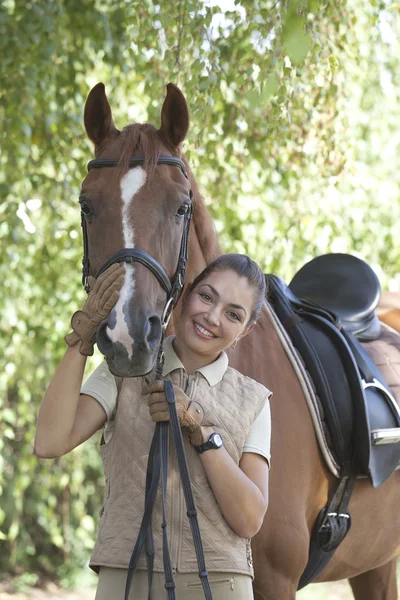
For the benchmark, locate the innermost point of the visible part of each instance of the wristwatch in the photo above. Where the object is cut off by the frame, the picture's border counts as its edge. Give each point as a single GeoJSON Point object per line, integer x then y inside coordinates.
{"type": "Point", "coordinates": [215, 441]}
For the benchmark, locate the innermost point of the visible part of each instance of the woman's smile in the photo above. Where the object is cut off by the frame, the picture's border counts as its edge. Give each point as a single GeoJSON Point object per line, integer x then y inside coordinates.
{"type": "Point", "coordinates": [203, 332]}
{"type": "Point", "coordinates": [215, 314]}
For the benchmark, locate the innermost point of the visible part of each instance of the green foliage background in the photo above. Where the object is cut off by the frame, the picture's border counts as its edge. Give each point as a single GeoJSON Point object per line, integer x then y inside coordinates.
{"type": "Point", "coordinates": [294, 140]}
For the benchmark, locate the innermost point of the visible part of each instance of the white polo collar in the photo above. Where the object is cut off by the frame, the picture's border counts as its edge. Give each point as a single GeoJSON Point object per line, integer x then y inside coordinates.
{"type": "Point", "coordinates": [213, 372]}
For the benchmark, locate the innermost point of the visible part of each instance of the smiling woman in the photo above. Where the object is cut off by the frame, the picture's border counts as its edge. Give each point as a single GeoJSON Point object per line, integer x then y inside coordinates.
{"type": "Point", "coordinates": [225, 419]}
{"type": "Point", "coordinates": [221, 306]}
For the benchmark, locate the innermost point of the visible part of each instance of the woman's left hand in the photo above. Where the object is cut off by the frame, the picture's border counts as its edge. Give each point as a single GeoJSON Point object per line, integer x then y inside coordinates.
{"type": "Point", "coordinates": [190, 412]}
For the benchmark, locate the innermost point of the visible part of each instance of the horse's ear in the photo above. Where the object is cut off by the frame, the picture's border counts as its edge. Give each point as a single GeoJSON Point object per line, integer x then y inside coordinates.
{"type": "Point", "coordinates": [98, 120]}
{"type": "Point", "coordinates": [174, 116]}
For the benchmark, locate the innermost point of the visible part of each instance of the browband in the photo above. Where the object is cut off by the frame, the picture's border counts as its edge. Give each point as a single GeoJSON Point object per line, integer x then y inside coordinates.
{"type": "Point", "coordinates": [99, 163]}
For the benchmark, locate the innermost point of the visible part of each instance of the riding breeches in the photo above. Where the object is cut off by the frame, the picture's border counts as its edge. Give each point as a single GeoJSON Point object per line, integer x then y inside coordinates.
{"type": "Point", "coordinates": [224, 586]}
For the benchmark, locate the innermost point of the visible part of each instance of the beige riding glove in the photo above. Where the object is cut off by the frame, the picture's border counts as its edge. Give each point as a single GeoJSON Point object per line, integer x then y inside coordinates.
{"type": "Point", "coordinates": [103, 296]}
{"type": "Point", "coordinates": [190, 412]}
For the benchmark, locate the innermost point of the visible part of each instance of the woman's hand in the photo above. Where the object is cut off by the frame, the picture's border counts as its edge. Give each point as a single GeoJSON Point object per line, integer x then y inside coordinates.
{"type": "Point", "coordinates": [102, 298]}
{"type": "Point", "coordinates": [190, 412]}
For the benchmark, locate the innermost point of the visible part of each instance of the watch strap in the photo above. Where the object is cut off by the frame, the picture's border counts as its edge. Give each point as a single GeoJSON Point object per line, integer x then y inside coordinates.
{"type": "Point", "coordinates": [209, 444]}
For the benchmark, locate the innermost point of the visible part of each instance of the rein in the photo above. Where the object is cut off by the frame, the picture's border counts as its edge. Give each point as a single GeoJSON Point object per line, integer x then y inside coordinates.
{"type": "Point", "coordinates": [157, 466]}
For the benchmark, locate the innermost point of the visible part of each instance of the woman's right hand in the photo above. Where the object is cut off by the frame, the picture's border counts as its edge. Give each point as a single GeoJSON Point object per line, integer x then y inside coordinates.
{"type": "Point", "coordinates": [102, 298]}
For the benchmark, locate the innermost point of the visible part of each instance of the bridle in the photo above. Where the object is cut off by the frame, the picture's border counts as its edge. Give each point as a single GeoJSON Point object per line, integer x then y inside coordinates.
{"type": "Point", "coordinates": [157, 466]}
{"type": "Point", "coordinates": [173, 287]}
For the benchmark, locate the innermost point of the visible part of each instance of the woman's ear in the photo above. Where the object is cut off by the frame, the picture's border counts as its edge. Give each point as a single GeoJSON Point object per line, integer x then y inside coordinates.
{"type": "Point", "coordinates": [247, 331]}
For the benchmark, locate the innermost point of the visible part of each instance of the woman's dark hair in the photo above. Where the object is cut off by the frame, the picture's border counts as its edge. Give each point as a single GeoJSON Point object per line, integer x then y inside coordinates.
{"type": "Point", "coordinates": [244, 267]}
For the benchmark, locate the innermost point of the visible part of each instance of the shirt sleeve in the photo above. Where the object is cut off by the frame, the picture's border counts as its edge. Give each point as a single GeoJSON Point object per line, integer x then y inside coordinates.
{"type": "Point", "coordinates": [259, 437]}
{"type": "Point", "coordinates": [102, 387]}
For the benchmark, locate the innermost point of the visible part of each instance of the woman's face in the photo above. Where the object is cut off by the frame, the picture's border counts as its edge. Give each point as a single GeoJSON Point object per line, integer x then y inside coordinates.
{"type": "Point", "coordinates": [216, 313]}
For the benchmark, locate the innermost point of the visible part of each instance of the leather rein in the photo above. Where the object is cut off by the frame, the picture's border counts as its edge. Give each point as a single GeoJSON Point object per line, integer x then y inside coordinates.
{"type": "Point", "coordinates": [157, 466]}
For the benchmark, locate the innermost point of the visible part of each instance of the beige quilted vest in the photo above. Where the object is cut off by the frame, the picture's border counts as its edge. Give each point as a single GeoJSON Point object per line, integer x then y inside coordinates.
{"type": "Point", "coordinates": [233, 404]}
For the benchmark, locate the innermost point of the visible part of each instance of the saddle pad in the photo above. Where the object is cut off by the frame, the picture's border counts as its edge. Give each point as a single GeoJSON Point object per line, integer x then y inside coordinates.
{"type": "Point", "coordinates": [385, 352]}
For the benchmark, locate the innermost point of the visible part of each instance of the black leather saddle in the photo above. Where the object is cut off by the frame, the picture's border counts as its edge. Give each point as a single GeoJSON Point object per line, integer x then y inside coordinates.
{"type": "Point", "coordinates": [330, 299]}
{"type": "Point", "coordinates": [346, 286]}
{"type": "Point", "coordinates": [355, 398]}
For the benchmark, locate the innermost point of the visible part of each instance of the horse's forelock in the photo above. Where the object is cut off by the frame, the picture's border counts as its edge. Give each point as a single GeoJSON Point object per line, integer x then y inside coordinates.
{"type": "Point", "coordinates": [143, 139]}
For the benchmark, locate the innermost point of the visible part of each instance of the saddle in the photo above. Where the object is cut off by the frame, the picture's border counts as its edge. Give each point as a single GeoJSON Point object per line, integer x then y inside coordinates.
{"type": "Point", "coordinates": [329, 302]}
{"type": "Point", "coordinates": [361, 414]}
{"type": "Point", "coordinates": [346, 286]}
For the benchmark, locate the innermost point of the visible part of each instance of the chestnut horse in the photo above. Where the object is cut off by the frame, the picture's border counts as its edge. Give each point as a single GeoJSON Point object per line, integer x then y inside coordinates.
{"type": "Point", "coordinates": [142, 207]}
{"type": "Point", "coordinates": [389, 309]}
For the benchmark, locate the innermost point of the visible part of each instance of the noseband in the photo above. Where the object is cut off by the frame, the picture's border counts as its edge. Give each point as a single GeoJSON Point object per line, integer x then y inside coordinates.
{"type": "Point", "coordinates": [174, 287]}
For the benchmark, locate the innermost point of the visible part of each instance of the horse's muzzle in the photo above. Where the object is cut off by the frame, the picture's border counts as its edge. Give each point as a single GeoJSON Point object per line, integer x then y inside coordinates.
{"type": "Point", "coordinates": [135, 353]}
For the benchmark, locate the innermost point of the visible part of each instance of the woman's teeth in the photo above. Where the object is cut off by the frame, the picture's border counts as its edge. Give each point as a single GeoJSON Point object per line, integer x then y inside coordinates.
{"type": "Point", "coordinates": [204, 331]}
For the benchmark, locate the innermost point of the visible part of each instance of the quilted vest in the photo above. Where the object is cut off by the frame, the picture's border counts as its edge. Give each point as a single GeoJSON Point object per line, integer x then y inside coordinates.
{"type": "Point", "coordinates": [233, 404]}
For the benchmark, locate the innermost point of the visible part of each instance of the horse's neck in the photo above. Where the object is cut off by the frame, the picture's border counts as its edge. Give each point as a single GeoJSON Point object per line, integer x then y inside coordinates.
{"type": "Point", "coordinates": [259, 355]}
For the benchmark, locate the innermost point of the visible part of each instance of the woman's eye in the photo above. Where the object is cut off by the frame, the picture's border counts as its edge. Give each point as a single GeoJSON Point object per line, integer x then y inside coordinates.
{"type": "Point", "coordinates": [234, 316]}
{"type": "Point", "coordinates": [182, 210]}
{"type": "Point", "coordinates": [206, 297]}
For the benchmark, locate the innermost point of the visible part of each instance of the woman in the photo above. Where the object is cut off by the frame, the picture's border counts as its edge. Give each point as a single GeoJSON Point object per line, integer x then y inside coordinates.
{"type": "Point", "coordinates": [226, 423]}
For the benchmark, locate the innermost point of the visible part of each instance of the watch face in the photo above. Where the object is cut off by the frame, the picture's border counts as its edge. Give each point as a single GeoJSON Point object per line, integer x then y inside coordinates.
{"type": "Point", "coordinates": [217, 439]}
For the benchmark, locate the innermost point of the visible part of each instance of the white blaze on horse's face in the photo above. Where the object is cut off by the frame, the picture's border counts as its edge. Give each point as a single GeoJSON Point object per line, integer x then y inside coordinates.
{"type": "Point", "coordinates": [131, 183]}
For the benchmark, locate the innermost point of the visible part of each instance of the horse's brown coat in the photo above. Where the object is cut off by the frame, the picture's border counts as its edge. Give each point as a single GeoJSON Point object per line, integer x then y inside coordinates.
{"type": "Point", "coordinates": [299, 481]}
{"type": "Point", "coordinates": [385, 352]}
{"type": "Point", "coordinates": [389, 309]}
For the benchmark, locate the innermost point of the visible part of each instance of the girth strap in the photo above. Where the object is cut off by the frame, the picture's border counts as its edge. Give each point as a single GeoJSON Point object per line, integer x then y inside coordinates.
{"type": "Point", "coordinates": [158, 465]}
{"type": "Point", "coordinates": [330, 529]}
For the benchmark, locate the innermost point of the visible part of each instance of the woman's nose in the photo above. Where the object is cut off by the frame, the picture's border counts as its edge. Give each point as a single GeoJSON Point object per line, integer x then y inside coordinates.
{"type": "Point", "coordinates": [213, 317]}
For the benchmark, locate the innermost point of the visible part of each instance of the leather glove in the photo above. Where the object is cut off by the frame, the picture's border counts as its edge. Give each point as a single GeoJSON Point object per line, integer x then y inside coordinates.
{"type": "Point", "coordinates": [103, 295]}
{"type": "Point", "coordinates": [190, 412]}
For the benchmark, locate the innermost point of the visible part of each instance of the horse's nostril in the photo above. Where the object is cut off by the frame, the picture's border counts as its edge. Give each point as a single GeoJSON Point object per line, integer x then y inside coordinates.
{"type": "Point", "coordinates": [153, 330]}
{"type": "Point", "coordinates": [104, 343]}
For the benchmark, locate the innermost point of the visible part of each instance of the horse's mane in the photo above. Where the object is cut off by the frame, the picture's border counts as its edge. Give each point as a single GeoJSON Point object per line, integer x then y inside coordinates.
{"type": "Point", "coordinates": [146, 139]}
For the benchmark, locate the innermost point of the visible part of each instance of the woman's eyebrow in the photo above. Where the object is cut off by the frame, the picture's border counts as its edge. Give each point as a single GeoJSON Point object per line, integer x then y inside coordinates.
{"type": "Point", "coordinates": [214, 291]}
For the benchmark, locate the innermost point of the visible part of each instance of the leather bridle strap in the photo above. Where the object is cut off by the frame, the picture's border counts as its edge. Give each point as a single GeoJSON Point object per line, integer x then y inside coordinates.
{"type": "Point", "coordinates": [152, 482]}
{"type": "Point", "coordinates": [172, 288]}
{"type": "Point", "coordinates": [99, 163]}
{"type": "Point", "coordinates": [158, 463]}
{"type": "Point", "coordinates": [130, 255]}
{"type": "Point", "coordinates": [191, 510]}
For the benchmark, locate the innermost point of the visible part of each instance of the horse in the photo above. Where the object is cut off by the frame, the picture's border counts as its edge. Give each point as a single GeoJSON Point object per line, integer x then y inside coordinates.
{"type": "Point", "coordinates": [142, 206]}
{"type": "Point", "coordinates": [388, 310]}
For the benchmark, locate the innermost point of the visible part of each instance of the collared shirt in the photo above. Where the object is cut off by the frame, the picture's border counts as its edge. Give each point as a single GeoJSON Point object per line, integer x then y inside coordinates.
{"type": "Point", "coordinates": [102, 387]}
{"type": "Point", "coordinates": [213, 372]}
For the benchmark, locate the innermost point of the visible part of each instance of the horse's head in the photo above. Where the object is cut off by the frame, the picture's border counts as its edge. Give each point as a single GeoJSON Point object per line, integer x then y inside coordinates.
{"type": "Point", "coordinates": [136, 204]}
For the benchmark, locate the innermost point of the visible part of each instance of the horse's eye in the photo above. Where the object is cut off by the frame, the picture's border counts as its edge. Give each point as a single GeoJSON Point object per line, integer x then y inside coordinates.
{"type": "Point", "coordinates": [182, 210]}
{"type": "Point", "coordinates": [85, 206]}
